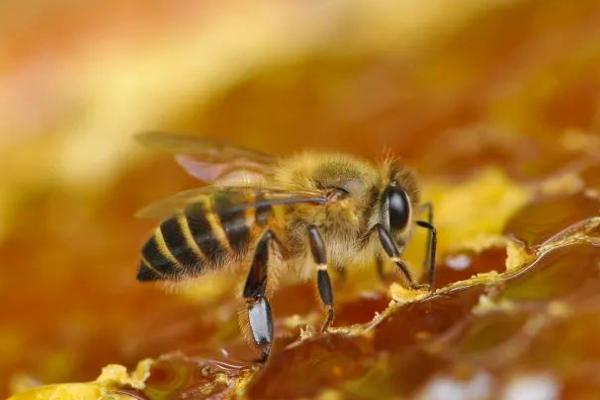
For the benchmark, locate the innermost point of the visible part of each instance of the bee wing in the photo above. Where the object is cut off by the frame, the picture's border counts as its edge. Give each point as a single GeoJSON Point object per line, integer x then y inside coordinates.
{"type": "Point", "coordinates": [212, 161]}
{"type": "Point", "coordinates": [169, 205]}
{"type": "Point", "coordinates": [267, 196]}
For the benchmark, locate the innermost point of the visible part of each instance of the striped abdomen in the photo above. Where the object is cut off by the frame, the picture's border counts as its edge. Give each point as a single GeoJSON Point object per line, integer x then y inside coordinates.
{"type": "Point", "coordinates": [203, 236]}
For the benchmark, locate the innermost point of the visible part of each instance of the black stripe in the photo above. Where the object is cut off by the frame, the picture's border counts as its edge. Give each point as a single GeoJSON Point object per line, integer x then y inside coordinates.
{"type": "Point", "coordinates": [202, 233]}
{"type": "Point", "coordinates": [180, 249]}
{"type": "Point", "coordinates": [147, 274]}
{"type": "Point", "coordinates": [156, 259]}
{"type": "Point", "coordinates": [233, 220]}
{"type": "Point", "coordinates": [263, 210]}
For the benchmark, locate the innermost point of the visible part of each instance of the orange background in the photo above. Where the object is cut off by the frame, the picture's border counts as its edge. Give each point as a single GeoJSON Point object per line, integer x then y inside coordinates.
{"type": "Point", "coordinates": [448, 86]}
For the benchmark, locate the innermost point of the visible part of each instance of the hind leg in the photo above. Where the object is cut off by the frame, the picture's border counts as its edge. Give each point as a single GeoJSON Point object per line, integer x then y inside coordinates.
{"type": "Point", "coordinates": [258, 308]}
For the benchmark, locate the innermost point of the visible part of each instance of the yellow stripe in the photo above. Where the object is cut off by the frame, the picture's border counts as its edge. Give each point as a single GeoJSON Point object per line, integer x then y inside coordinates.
{"type": "Point", "coordinates": [217, 229]}
{"type": "Point", "coordinates": [149, 266]}
{"type": "Point", "coordinates": [322, 267]}
{"type": "Point", "coordinates": [189, 239]}
{"type": "Point", "coordinates": [164, 249]}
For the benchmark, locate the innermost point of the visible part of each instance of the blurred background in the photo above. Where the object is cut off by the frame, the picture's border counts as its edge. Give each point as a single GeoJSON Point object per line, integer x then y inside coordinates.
{"type": "Point", "coordinates": [449, 86]}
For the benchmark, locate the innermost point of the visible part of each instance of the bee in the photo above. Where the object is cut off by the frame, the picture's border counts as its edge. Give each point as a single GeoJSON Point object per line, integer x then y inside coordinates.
{"type": "Point", "coordinates": [304, 214]}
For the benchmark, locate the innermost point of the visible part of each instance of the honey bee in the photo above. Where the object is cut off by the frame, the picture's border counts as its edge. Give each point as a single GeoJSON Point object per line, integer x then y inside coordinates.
{"type": "Point", "coordinates": [303, 214]}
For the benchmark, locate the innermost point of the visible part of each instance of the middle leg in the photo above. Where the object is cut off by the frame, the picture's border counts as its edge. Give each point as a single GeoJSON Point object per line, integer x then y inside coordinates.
{"type": "Point", "coordinates": [319, 253]}
{"type": "Point", "coordinates": [391, 249]}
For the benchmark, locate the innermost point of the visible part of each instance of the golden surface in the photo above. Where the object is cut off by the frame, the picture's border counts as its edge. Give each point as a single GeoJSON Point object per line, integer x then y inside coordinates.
{"type": "Point", "coordinates": [495, 104]}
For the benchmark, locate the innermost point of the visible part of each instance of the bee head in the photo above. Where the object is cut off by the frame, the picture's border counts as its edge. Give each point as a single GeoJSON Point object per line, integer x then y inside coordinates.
{"type": "Point", "coordinates": [398, 200]}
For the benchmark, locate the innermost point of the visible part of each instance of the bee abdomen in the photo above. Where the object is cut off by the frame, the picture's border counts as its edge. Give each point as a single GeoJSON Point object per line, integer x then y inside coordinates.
{"type": "Point", "coordinates": [203, 229]}
{"type": "Point", "coordinates": [170, 253]}
{"type": "Point", "coordinates": [203, 236]}
{"type": "Point", "coordinates": [148, 273]}
{"type": "Point", "coordinates": [155, 265]}
{"type": "Point", "coordinates": [233, 219]}
{"type": "Point", "coordinates": [181, 245]}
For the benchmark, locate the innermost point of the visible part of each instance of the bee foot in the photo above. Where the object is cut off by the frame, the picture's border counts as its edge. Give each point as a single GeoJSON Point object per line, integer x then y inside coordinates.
{"type": "Point", "coordinates": [328, 321]}
{"type": "Point", "coordinates": [422, 287]}
{"type": "Point", "coordinates": [264, 356]}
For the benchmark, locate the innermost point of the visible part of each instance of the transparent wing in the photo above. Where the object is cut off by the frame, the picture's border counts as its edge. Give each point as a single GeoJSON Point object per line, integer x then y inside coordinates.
{"type": "Point", "coordinates": [267, 196]}
{"type": "Point", "coordinates": [169, 205]}
{"type": "Point", "coordinates": [212, 161]}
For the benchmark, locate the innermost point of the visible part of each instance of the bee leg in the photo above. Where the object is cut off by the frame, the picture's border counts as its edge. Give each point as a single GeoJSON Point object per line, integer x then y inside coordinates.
{"type": "Point", "coordinates": [428, 209]}
{"type": "Point", "coordinates": [259, 310]}
{"type": "Point", "coordinates": [261, 325]}
{"type": "Point", "coordinates": [319, 253]}
{"type": "Point", "coordinates": [431, 249]}
{"type": "Point", "coordinates": [391, 249]}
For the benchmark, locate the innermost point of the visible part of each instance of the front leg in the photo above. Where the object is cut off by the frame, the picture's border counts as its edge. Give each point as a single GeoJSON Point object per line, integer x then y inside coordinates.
{"type": "Point", "coordinates": [391, 249]}
{"type": "Point", "coordinates": [319, 253]}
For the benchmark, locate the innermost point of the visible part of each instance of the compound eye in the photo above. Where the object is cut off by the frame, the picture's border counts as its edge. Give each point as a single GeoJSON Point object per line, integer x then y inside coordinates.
{"type": "Point", "coordinates": [398, 206]}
